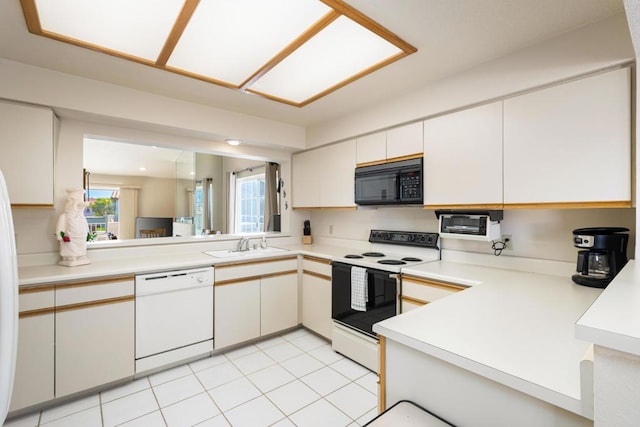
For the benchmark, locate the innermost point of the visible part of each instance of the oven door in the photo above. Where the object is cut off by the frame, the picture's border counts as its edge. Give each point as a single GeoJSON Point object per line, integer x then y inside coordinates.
{"type": "Point", "coordinates": [382, 288]}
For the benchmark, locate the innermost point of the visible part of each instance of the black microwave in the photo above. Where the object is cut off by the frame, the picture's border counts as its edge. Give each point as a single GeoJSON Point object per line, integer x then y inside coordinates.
{"type": "Point", "coordinates": [394, 183]}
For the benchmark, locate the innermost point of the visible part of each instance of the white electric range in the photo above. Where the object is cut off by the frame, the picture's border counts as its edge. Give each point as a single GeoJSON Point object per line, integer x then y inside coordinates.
{"type": "Point", "coordinates": [365, 288]}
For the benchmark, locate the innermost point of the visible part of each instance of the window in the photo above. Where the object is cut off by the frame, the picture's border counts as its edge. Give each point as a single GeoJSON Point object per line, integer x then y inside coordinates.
{"type": "Point", "coordinates": [102, 210]}
{"type": "Point", "coordinates": [249, 212]}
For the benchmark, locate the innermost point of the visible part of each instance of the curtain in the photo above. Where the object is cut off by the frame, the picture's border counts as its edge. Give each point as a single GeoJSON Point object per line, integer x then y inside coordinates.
{"type": "Point", "coordinates": [271, 175]}
{"type": "Point", "coordinates": [231, 216]}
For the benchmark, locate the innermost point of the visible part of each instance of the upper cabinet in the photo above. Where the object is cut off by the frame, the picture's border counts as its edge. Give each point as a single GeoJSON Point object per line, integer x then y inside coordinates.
{"type": "Point", "coordinates": [463, 159]}
{"type": "Point", "coordinates": [404, 141]}
{"type": "Point", "coordinates": [570, 144]}
{"type": "Point", "coordinates": [371, 148]}
{"type": "Point", "coordinates": [26, 134]}
{"type": "Point", "coordinates": [393, 144]}
{"type": "Point", "coordinates": [324, 178]}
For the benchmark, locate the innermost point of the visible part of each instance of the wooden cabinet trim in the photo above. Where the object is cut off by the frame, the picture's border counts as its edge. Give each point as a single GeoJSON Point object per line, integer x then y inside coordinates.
{"type": "Point", "coordinates": [325, 208]}
{"type": "Point", "coordinates": [394, 159]}
{"type": "Point", "coordinates": [37, 312]}
{"type": "Point", "coordinates": [33, 289]}
{"type": "Point", "coordinates": [317, 259]}
{"type": "Point", "coordinates": [256, 277]}
{"type": "Point", "coordinates": [238, 263]}
{"type": "Point", "coordinates": [414, 300]}
{"type": "Point", "coordinates": [318, 275]}
{"type": "Point", "coordinates": [94, 282]}
{"type": "Point", "coordinates": [34, 206]}
{"type": "Point", "coordinates": [382, 376]}
{"type": "Point", "coordinates": [570, 205]}
{"type": "Point", "coordinates": [96, 303]}
{"type": "Point", "coordinates": [278, 274]}
{"type": "Point", "coordinates": [468, 206]}
{"type": "Point", "coordinates": [435, 284]}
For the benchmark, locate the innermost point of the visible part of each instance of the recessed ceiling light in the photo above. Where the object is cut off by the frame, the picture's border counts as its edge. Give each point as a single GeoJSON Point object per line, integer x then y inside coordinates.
{"type": "Point", "coordinates": [143, 168]}
{"type": "Point", "coordinates": [233, 141]}
{"type": "Point", "coordinates": [319, 47]}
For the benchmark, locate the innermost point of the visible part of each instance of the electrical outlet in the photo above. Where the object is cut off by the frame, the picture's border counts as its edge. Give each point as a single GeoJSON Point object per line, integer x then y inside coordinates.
{"type": "Point", "coordinates": [509, 242]}
{"type": "Point", "coordinates": [331, 229]}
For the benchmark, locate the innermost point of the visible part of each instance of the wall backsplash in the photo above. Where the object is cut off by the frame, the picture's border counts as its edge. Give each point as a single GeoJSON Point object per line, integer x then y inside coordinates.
{"type": "Point", "coordinates": [536, 233]}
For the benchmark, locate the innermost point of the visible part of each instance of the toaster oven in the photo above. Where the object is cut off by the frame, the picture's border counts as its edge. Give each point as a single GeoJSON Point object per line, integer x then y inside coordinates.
{"type": "Point", "coordinates": [470, 225]}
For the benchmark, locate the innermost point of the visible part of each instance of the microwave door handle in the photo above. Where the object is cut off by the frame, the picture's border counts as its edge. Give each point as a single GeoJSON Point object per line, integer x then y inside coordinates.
{"type": "Point", "coordinates": [398, 188]}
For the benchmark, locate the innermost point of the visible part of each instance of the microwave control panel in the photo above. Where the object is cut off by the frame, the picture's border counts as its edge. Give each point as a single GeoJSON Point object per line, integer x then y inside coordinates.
{"type": "Point", "coordinates": [410, 185]}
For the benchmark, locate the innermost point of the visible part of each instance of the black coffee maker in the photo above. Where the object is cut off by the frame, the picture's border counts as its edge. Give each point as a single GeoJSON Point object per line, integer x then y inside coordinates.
{"type": "Point", "coordinates": [604, 254]}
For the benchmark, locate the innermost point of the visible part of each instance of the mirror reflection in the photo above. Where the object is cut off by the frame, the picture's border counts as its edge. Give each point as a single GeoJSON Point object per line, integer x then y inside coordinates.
{"type": "Point", "coordinates": [136, 191]}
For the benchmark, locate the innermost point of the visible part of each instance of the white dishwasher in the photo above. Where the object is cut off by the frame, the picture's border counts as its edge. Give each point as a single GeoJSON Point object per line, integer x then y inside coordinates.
{"type": "Point", "coordinates": [174, 317]}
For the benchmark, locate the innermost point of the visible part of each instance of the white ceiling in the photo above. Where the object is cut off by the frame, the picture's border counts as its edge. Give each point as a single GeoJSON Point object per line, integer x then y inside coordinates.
{"type": "Point", "coordinates": [451, 36]}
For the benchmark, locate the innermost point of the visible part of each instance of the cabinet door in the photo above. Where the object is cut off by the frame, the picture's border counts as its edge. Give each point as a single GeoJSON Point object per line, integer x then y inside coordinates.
{"type": "Point", "coordinates": [316, 296]}
{"type": "Point", "coordinates": [94, 334]}
{"type": "Point", "coordinates": [34, 377]}
{"type": "Point", "coordinates": [570, 143]}
{"type": "Point", "coordinates": [404, 141]}
{"type": "Point", "coordinates": [306, 179]}
{"type": "Point", "coordinates": [278, 302]}
{"type": "Point", "coordinates": [237, 312]}
{"type": "Point", "coordinates": [337, 180]}
{"type": "Point", "coordinates": [463, 158]}
{"type": "Point", "coordinates": [371, 148]}
{"type": "Point", "coordinates": [27, 153]}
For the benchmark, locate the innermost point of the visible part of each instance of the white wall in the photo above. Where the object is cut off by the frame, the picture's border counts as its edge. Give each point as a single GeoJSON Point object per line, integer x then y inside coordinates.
{"type": "Point", "coordinates": [104, 101]}
{"type": "Point", "coordinates": [35, 227]}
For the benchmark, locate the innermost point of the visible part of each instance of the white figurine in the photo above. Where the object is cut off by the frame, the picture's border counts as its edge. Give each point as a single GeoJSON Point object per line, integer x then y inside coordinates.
{"type": "Point", "coordinates": [72, 230]}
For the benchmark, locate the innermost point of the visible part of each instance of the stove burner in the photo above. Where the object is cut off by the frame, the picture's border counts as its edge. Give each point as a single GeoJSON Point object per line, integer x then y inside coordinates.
{"type": "Point", "coordinates": [373, 254]}
{"type": "Point", "coordinates": [352, 256]}
{"type": "Point", "coordinates": [391, 262]}
{"type": "Point", "coordinates": [411, 259]}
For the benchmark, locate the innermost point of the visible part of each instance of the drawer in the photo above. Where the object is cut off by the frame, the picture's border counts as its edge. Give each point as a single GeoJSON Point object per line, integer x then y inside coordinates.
{"type": "Point", "coordinates": [94, 290]}
{"type": "Point", "coordinates": [427, 290]}
{"type": "Point", "coordinates": [319, 266]}
{"type": "Point", "coordinates": [30, 299]}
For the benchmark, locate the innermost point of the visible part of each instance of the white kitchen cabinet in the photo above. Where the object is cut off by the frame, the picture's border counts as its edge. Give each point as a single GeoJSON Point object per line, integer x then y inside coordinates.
{"type": "Point", "coordinates": [404, 141]}
{"type": "Point", "coordinates": [316, 295]}
{"type": "Point", "coordinates": [324, 178]}
{"type": "Point", "coordinates": [278, 302]}
{"type": "Point", "coordinates": [34, 377]}
{"type": "Point", "coordinates": [418, 291]}
{"type": "Point", "coordinates": [371, 149]}
{"type": "Point", "coordinates": [305, 176]}
{"type": "Point", "coordinates": [236, 312]}
{"type": "Point", "coordinates": [463, 159]}
{"type": "Point", "coordinates": [94, 333]}
{"type": "Point", "coordinates": [27, 135]}
{"type": "Point", "coordinates": [254, 298]}
{"type": "Point", "coordinates": [570, 144]}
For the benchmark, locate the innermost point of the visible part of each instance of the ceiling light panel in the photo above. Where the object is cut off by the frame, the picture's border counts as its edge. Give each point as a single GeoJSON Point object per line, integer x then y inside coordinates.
{"type": "Point", "coordinates": [337, 53]}
{"type": "Point", "coordinates": [230, 40]}
{"type": "Point", "coordinates": [139, 28]}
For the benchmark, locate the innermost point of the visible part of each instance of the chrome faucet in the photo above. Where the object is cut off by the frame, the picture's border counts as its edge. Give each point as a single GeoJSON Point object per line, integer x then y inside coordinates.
{"type": "Point", "coordinates": [244, 241]}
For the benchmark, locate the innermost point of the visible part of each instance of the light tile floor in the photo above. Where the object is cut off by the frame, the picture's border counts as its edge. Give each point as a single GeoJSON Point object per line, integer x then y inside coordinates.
{"type": "Point", "coordinates": [295, 379]}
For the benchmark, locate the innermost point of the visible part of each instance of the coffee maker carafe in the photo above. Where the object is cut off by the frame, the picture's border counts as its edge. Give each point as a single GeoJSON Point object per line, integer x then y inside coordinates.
{"type": "Point", "coordinates": [603, 254]}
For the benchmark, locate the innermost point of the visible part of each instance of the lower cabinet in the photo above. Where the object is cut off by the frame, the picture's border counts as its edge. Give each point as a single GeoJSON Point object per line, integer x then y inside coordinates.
{"type": "Point", "coordinates": [94, 333]}
{"type": "Point", "coordinates": [316, 295]}
{"type": "Point", "coordinates": [254, 298]}
{"type": "Point", "coordinates": [34, 377]}
{"type": "Point", "coordinates": [417, 291]}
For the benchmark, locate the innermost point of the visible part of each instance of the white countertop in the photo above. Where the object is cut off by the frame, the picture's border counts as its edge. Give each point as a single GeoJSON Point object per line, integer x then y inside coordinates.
{"type": "Point", "coordinates": [613, 321]}
{"type": "Point", "coordinates": [513, 327]}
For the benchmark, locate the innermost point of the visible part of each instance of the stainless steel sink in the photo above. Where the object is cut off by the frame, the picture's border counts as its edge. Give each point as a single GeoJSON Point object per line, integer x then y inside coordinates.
{"type": "Point", "coordinates": [232, 253]}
